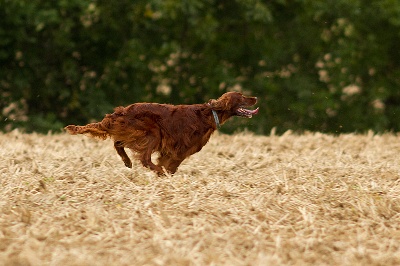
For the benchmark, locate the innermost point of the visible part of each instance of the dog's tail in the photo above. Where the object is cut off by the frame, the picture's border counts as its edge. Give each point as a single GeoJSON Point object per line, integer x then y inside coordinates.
{"type": "Point", "coordinates": [96, 130]}
{"type": "Point", "coordinates": [108, 127]}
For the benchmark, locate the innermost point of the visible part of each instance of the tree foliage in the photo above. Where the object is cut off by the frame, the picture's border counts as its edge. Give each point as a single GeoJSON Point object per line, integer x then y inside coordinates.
{"type": "Point", "coordinates": [330, 66]}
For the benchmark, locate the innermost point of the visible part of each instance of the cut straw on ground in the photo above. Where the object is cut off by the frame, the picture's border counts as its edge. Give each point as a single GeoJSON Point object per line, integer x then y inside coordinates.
{"type": "Point", "coordinates": [310, 199]}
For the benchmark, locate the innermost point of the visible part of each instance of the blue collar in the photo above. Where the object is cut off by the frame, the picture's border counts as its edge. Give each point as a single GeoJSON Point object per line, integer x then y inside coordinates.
{"type": "Point", "coordinates": [216, 118]}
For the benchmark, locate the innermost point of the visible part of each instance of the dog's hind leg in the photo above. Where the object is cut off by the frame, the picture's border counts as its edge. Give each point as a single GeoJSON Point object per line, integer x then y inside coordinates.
{"type": "Point", "coordinates": [170, 164]}
{"type": "Point", "coordinates": [121, 152]}
{"type": "Point", "coordinates": [145, 159]}
{"type": "Point", "coordinates": [173, 166]}
{"type": "Point", "coordinates": [144, 149]}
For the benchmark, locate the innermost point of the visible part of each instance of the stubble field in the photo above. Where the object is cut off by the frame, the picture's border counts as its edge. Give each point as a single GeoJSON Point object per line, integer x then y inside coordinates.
{"type": "Point", "coordinates": [310, 199]}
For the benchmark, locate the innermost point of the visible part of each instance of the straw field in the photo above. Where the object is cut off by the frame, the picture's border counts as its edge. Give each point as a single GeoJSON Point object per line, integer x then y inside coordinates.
{"type": "Point", "coordinates": [309, 199]}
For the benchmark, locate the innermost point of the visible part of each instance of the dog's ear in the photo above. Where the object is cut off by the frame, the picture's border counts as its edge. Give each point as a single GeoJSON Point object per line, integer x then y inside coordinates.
{"type": "Point", "coordinates": [216, 104]}
{"type": "Point", "coordinates": [212, 103]}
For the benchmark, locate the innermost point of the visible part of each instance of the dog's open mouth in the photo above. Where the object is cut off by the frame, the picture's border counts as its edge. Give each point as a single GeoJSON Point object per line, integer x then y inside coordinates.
{"type": "Point", "coordinates": [246, 112]}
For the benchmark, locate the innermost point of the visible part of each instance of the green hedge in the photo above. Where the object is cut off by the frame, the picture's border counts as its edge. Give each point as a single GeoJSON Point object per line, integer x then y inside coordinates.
{"type": "Point", "coordinates": [331, 66]}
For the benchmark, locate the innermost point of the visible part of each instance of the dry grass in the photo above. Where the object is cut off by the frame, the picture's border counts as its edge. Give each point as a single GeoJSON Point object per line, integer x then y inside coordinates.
{"type": "Point", "coordinates": [243, 200]}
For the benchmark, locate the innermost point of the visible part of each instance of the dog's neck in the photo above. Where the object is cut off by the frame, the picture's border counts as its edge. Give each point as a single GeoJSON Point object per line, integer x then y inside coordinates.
{"type": "Point", "coordinates": [216, 118]}
{"type": "Point", "coordinates": [215, 115]}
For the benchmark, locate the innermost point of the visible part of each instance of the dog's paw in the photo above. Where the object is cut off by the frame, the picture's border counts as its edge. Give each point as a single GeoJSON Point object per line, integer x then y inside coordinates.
{"type": "Point", "coordinates": [128, 164]}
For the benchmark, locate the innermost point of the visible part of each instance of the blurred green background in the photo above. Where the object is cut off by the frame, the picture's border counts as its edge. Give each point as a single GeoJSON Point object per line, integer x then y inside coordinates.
{"type": "Point", "coordinates": [330, 66]}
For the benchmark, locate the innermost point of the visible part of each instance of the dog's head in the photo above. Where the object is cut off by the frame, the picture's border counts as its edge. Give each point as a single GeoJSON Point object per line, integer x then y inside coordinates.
{"type": "Point", "coordinates": [234, 104]}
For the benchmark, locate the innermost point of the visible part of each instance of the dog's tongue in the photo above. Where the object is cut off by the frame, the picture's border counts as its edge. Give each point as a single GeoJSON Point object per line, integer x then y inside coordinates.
{"type": "Point", "coordinates": [246, 112]}
{"type": "Point", "coordinates": [253, 112]}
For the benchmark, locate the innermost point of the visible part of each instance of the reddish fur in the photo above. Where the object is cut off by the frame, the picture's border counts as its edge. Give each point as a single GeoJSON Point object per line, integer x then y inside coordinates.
{"type": "Point", "coordinates": [174, 131]}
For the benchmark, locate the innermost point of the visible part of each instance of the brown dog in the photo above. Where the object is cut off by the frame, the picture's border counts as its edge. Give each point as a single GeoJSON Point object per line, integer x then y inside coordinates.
{"type": "Point", "coordinates": [174, 131]}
